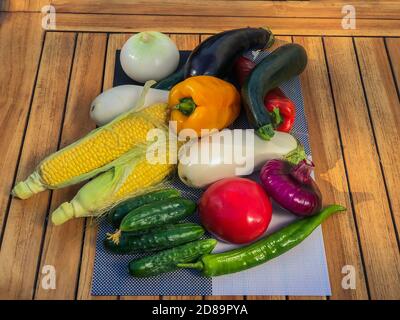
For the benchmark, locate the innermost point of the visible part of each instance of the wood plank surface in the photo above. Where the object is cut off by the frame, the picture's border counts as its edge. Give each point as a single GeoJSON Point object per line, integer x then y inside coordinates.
{"type": "Point", "coordinates": [351, 97]}
{"type": "Point", "coordinates": [86, 271]}
{"type": "Point", "coordinates": [366, 183]}
{"type": "Point", "coordinates": [287, 9]}
{"type": "Point", "coordinates": [384, 108]}
{"type": "Point", "coordinates": [339, 232]}
{"type": "Point", "coordinates": [17, 80]}
{"type": "Point", "coordinates": [63, 244]}
{"type": "Point", "coordinates": [208, 24]}
{"type": "Point", "coordinates": [115, 42]}
{"type": "Point", "coordinates": [22, 240]}
{"type": "Point", "coordinates": [393, 47]}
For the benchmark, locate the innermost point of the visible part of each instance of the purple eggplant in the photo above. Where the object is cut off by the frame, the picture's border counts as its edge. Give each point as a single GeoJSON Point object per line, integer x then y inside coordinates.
{"type": "Point", "coordinates": [291, 186]}
{"type": "Point", "coordinates": [216, 55]}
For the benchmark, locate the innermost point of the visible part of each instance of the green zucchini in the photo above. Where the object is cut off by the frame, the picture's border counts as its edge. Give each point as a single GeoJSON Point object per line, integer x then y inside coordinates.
{"type": "Point", "coordinates": [169, 82]}
{"type": "Point", "coordinates": [117, 213]}
{"type": "Point", "coordinates": [281, 65]}
{"type": "Point", "coordinates": [156, 239]}
{"type": "Point", "coordinates": [157, 213]}
{"type": "Point", "coordinates": [167, 260]}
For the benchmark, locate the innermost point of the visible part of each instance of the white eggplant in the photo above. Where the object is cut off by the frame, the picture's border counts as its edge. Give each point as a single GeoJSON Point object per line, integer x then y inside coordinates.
{"type": "Point", "coordinates": [231, 153]}
{"type": "Point", "coordinates": [115, 101]}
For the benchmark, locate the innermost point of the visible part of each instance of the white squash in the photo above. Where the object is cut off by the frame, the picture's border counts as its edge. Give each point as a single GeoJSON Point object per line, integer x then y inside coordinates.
{"type": "Point", "coordinates": [115, 101]}
{"type": "Point", "coordinates": [231, 153]}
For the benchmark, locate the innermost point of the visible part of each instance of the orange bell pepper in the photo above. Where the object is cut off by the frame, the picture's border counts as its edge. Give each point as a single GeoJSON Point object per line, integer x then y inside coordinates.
{"type": "Point", "coordinates": [204, 102]}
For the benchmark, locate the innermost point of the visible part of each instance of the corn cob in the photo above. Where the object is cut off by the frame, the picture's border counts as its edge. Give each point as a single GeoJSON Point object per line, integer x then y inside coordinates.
{"type": "Point", "coordinates": [111, 187]}
{"type": "Point", "coordinates": [94, 153]}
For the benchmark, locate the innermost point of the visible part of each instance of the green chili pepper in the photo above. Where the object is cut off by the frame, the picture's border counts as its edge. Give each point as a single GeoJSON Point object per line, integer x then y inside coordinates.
{"type": "Point", "coordinates": [262, 250]}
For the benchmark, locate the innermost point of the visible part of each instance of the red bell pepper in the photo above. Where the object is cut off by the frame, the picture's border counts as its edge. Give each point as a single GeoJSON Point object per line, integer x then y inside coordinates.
{"type": "Point", "coordinates": [282, 109]}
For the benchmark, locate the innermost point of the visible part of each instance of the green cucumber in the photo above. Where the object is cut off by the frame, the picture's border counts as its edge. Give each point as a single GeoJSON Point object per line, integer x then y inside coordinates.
{"type": "Point", "coordinates": [156, 239]}
{"type": "Point", "coordinates": [167, 260]}
{"type": "Point", "coordinates": [157, 213]}
{"type": "Point", "coordinates": [281, 65]}
{"type": "Point", "coordinates": [117, 213]}
{"type": "Point", "coordinates": [169, 82]}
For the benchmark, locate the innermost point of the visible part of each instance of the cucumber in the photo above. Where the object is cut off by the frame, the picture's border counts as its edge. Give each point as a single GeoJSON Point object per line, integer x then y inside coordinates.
{"type": "Point", "coordinates": [170, 81]}
{"type": "Point", "coordinates": [167, 260]}
{"type": "Point", "coordinates": [157, 213]}
{"type": "Point", "coordinates": [156, 239]}
{"type": "Point", "coordinates": [281, 65]}
{"type": "Point", "coordinates": [117, 213]}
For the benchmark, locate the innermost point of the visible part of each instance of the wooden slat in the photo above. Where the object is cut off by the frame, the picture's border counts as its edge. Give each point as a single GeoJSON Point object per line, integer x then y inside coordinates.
{"type": "Point", "coordinates": [305, 9]}
{"type": "Point", "coordinates": [22, 5]}
{"type": "Point", "coordinates": [17, 80]}
{"type": "Point", "coordinates": [86, 272]}
{"type": "Point", "coordinates": [393, 46]}
{"type": "Point", "coordinates": [366, 183]}
{"type": "Point", "coordinates": [224, 298]}
{"type": "Point", "coordinates": [63, 244]}
{"type": "Point", "coordinates": [339, 231]}
{"type": "Point", "coordinates": [23, 236]}
{"type": "Point", "coordinates": [207, 24]}
{"type": "Point", "coordinates": [115, 42]}
{"type": "Point", "coordinates": [384, 107]}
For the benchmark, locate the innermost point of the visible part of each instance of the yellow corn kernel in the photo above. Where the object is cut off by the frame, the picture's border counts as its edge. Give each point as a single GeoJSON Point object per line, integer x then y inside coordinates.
{"type": "Point", "coordinates": [102, 148]}
{"type": "Point", "coordinates": [78, 161]}
{"type": "Point", "coordinates": [143, 176]}
{"type": "Point", "coordinates": [111, 187]}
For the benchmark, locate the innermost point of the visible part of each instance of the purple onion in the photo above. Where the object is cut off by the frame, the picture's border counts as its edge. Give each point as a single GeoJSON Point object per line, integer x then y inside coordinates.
{"type": "Point", "coordinates": [291, 186]}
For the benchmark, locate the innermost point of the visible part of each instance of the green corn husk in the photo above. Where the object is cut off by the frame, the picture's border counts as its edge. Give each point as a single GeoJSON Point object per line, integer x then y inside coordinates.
{"type": "Point", "coordinates": [99, 195]}
{"type": "Point", "coordinates": [35, 184]}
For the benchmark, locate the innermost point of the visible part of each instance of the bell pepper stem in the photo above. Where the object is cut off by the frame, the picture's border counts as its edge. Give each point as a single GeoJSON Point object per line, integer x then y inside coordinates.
{"type": "Point", "coordinates": [266, 132]}
{"type": "Point", "coordinates": [186, 106]}
{"type": "Point", "coordinates": [196, 265]}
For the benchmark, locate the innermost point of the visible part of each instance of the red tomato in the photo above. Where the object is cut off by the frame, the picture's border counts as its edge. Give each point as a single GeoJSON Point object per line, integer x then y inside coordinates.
{"type": "Point", "coordinates": [236, 210]}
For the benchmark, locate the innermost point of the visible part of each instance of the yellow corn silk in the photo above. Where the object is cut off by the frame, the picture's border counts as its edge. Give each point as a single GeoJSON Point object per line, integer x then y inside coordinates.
{"type": "Point", "coordinates": [94, 153]}
{"type": "Point", "coordinates": [113, 186]}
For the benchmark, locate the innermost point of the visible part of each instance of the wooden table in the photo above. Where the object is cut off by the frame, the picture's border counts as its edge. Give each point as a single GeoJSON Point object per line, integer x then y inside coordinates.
{"type": "Point", "coordinates": [351, 89]}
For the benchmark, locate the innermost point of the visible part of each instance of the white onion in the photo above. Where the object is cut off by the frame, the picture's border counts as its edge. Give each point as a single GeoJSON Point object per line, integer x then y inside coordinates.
{"type": "Point", "coordinates": [149, 55]}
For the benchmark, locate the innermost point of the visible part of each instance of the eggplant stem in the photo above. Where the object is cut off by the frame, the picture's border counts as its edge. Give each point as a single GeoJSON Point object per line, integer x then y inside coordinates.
{"type": "Point", "coordinates": [296, 155]}
{"type": "Point", "coordinates": [271, 39]}
{"type": "Point", "coordinates": [302, 171]}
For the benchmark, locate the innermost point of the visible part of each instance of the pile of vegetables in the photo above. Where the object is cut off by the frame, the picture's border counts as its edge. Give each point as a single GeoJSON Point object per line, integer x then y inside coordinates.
{"type": "Point", "coordinates": [200, 97]}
